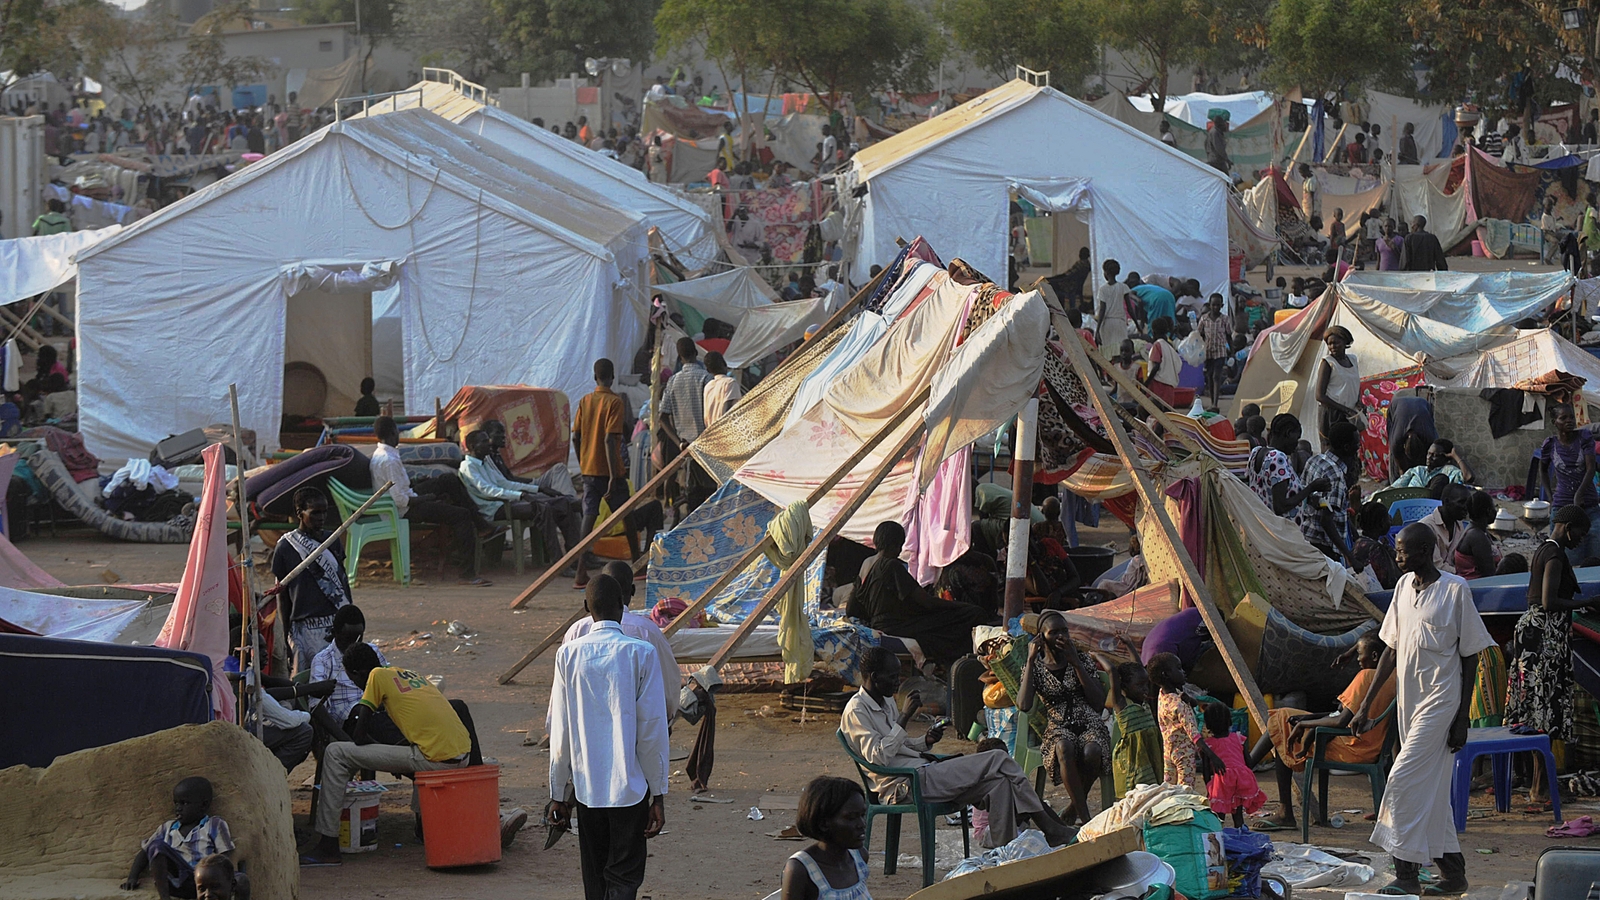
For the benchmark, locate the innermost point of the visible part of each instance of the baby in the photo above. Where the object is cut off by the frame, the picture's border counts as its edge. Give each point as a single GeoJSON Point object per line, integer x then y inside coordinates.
{"type": "Point", "coordinates": [176, 850]}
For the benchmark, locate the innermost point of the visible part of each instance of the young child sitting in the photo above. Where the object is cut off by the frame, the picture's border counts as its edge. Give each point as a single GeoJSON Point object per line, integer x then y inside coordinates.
{"type": "Point", "coordinates": [833, 812]}
{"type": "Point", "coordinates": [177, 847]}
{"type": "Point", "coordinates": [1182, 742]}
{"type": "Point", "coordinates": [215, 879]}
{"type": "Point", "coordinates": [1372, 548]}
{"type": "Point", "coordinates": [1290, 731]}
{"type": "Point", "coordinates": [1136, 759]}
{"type": "Point", "coordinates": [1233, 790]}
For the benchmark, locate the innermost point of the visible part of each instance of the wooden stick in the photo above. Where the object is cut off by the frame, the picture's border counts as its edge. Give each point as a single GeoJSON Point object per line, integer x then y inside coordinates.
{"type": "Point", "coordinates": [812, 499]}
{"type": "Point", "coordinates": [249, 632]}
{"type": "Point", "coordinates": [1167, 532]}
{"type": "Point", "coordinates": [337, 533]}
{"type": "Point", "coordinates": [818, 543]}
{"type": "Point", "coordinates": [1138, 392]}
{"type": "Point", "coordinates": [549, 574]}
{"type": "Point", "coordinates": [599, 531]}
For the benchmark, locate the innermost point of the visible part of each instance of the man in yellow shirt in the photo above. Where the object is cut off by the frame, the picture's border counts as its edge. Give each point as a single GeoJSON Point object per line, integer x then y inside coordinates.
{"type": "Point", "coordinates": [434, 733]}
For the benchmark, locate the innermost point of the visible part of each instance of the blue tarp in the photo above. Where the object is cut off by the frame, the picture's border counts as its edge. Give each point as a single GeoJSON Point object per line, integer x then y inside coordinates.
{"type": "Point", "coordinates": [772, 106]}
{"type": "Point", "coordinates": [1446, 314]}
{"type": "Point", "coordinates": [66, 696]}
{"type": "Point", "coordinates": [1561, 162]}
{"type": "Point", "coordinates": [1504, 594]}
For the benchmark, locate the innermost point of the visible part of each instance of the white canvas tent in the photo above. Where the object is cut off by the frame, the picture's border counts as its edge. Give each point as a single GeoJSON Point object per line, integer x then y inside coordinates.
{"type": "Point", "coordinates": [686, 227]}
{"type": "Point", "coordinates": [505, 274]}
{"type": "Point", "coordinates": [1458, 325]}
{"type": "Point", "coordinates": [1150, 207]}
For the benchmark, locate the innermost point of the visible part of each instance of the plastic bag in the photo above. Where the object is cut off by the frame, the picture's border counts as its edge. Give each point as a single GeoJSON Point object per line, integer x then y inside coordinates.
{"type": "Point", "coordinates": [1026, 844]}
{"type": "Point", "coordinates": [1193, 349]}
{"type": "Point", "coordinates": [1247, 852]}
{"type": "Point", "coordinates": [1305, 867]}
{"type": "Point", "coordinates": [1196, 854]}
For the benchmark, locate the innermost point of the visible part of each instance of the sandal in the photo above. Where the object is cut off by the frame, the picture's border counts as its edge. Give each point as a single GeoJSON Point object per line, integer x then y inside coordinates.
{"type": "Point", "coordinates": [307, 861]}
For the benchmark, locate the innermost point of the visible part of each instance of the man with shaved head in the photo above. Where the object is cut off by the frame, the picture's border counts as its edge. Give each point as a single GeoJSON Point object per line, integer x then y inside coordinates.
{"type": "Point", "coordinates": [1434, 635]}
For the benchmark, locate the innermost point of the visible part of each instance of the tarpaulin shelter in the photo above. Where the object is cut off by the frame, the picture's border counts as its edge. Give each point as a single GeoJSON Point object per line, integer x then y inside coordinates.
{"type": "Point", "coordinates": [744, 300]}
{"type": "Point", "coordinates": [686, 227]}
{"type": "Point", "coordinates": [1194, 109]}
{"type": "Point", "coordinates": [1444, 322]}
{"type": "Point", "coordinates": [506, 273]}
{"type": "Point", "coordinates": [98, 694]}
{"type": "Point", "coordinates": [1255, 140]}
{"type": "Point", "coordinates": [537, 421]}
{"type": "Point", "coordinates": [1493, 192]}
{"type": "Point", "coordinates": [33, 265]}
{"type": "Point", "coordinates": [950, 179]}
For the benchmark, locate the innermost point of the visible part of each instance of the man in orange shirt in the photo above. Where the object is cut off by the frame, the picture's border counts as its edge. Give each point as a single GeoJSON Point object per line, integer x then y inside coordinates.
{"type": "Point", "coordinates": [597, 438]}
{"type": "Point", "coordinates": [1289, 731]}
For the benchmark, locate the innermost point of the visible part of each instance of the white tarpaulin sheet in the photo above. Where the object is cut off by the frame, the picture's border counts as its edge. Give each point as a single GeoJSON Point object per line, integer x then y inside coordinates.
{"type": "Point", "coordinates": [68, 617]}
{"type": "Point", "coordinates": [33, 265]}
{"type": "Point", "coordinates": [1192, 108]}
{"type": "Point", "coordinates": [1392, 113]}
{"type": "Point", "coordinates": [1446, 213]}
{"type": "Point", "coordinates": [1471, 301]}
{"type": "Point", "coordinates": [949, 179]}
{"type": "Point", "coordinates": [763, 330]}
{"type": "Point", "coordinates": [510, 275]}
{"type": "Point", "coordinates": [686, 227]}
{"type": "Point", "coordinates": [1530, 355]}
{"type": "Point", "coordinates": [725, 295]}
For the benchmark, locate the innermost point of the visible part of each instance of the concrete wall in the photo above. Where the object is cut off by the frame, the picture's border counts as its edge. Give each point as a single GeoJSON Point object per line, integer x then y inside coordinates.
{"type": "Point", "coordinates": [22, 173]}
{"type": "Point", "coordinates": [1463, 417]}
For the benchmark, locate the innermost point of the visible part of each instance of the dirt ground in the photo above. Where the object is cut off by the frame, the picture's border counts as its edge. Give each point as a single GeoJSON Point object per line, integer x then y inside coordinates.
{"type": "Point", "coordinates": [709, 850]}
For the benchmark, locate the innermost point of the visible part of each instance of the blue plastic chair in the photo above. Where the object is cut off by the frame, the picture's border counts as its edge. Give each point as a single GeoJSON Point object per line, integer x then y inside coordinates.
{"type": "Point", "coordinates": [1499, 743]}
{"type": "Point", "coordinates": [927, 814]}
{"type": "Point", "coordinates": [1404, 512]}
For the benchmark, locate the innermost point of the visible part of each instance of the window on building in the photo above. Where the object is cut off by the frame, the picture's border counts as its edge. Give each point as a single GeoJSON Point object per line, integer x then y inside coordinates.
{"type": "Point", "coordinates": [325, 46]}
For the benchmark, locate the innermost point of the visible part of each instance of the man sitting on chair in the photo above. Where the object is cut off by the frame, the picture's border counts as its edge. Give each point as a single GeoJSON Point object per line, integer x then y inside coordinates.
{"type": "Point", "coordinates": [499, 497]}
{"type": "Point", "coordinates": [441, 499]}
{"type": "Point", "coordinates": [553, 490]}
{"type": "Point", "coordinates": [876, 731]}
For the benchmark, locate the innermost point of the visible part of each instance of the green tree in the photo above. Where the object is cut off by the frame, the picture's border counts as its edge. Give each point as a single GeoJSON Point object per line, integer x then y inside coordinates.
{"type": "Point", "coordinates": [377, 17]}
{"type": "Point", "coordinates": [1165, 33]}
{"type": "Point", "coordinates": [205, 60]}
{"type": "Point", "coordinates": [834, 47]}
{"type": "Point", "coordinates": [463, 35]}
{"type": "Point", "coordinates": [730, 33]}
{"type": "Point", "coordinates": [1058, 36]}
{"type": "Point", "coordinates": [1338, 46]}
{"type": "Point", "coordinates": [1496, 54]}
{"type": "Point", "coordinates": [32, 36]}
{"type": "Point", "coordinates": [128, 53]}
{"type": "Point", "coordinates": [551, 38]}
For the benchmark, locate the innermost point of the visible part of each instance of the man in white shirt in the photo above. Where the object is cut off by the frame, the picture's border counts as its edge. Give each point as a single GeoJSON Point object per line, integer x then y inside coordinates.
{"type": "Point", "coordinates": [641, 627]}
{"type": "Point", "coordinates": [442, 500]}
{"type": "Point", "coordinates": [830, 151]}
{"type": "Point", "coordinates": [608, 747]}
{"type": "Point", "coordinates": [721, 392]}
{"type": "Point", "coordinates": [876, 730]}
{"type": "Point", "coordinates": [1433, 634]}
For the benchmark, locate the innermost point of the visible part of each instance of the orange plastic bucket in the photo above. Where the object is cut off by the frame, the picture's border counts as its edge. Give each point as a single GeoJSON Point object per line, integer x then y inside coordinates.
{"type": "Point", "coordinates": [460, 816]}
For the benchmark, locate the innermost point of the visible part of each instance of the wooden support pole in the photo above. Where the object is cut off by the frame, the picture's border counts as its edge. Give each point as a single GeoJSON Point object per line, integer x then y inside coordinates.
{"type": "Point", "coordinates": [812, 499]}
{"type": "Point", "coordinates": [1155, 501]}
{"type": "Point", "coordinates": [249, 631]}
{"type": "Point", "coordinates": [587, 541]}
{"type": "Point", "coordinates": [659, 479]}
{"type": "Point", "coordinates": [818, 543]}
{"type": "Point", "coordinates": [1021, 508]}
{"type": "Point", "coordinates": [344, 526]}
{"type": "Point", "coordinates": [1138, 392]}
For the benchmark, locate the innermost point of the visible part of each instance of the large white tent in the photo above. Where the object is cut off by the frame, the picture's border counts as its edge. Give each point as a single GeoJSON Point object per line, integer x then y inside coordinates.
{"type": "Point", "coordinates": [506, 273]}
{"type": "Point", "coordinates": [1147, 205]}
{"type": "Point", "coordinates": [686, 226]}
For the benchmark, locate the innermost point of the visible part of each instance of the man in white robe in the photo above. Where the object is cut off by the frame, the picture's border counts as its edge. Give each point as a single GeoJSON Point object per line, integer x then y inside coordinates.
{"type": "Point", "coordinates": [1434, 635]}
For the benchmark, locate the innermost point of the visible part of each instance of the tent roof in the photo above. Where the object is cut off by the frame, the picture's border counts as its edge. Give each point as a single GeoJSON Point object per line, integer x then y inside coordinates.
{"type": "Point", "coordinates": [566, 163]}
{"type": "Point", "coordinates": [891, 152]}
{"type": "Point", "coordinates": [1192, 108]}
{"type": "Point", "coordinates": [448, 157]}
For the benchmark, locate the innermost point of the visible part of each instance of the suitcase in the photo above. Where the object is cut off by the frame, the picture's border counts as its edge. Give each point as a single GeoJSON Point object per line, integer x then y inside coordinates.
{"type": "Point", "coordinates": [966, 694]}
{"type": "Point", "coordinates": [179, 449]}
{"type": "Point", "coordinates": [1566, 873]}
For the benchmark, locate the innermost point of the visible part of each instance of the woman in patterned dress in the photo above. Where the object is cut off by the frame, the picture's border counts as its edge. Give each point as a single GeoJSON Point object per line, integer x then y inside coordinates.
{"type": "Point", "coordinates": [1539, 694]}
{"type": "Point", "coordinates": [1077, 744]}
{"type": "Point", "coordinates": [1270, 471]}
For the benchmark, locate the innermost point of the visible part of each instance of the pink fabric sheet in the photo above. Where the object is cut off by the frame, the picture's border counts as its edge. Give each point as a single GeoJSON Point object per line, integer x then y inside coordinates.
{"type": "Point", "coordinates": [198, 621]}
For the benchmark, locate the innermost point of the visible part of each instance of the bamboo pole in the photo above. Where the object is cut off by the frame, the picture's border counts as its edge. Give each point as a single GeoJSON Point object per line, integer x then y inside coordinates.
{"type": "Point", "coordinates": [818, 543]}
{"type": "Point", "coordinates": [1167, 532]}
{"type": "Point", "coordinates": [337, 533]}
{"type": "Point", "coordinates": [250, 631]}
{"type": "Point", "coordinates": [1021, 505]}
{"type": "Point", "coordinates": [549, 574]}
{"type": "Point", "coordinates": [812, 499]}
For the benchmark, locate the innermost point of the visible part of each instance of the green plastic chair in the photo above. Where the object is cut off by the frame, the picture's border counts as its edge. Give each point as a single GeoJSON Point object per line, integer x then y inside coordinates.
{"type": "Point", "coordinates": [381, 522]}
{"type": "Point", "coordinates": [927, 814]}
{"type": "Point", "coordinates": [1377, 771]}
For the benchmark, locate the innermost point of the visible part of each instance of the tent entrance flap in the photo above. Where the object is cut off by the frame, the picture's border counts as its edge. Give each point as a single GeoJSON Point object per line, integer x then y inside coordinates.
{"type": "Point", "coordinates": [1068, 204]}
{"type": "Point", "coordinates": [327, 350]}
